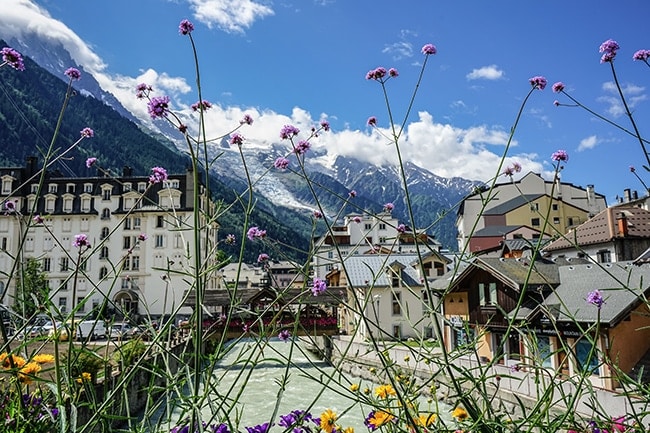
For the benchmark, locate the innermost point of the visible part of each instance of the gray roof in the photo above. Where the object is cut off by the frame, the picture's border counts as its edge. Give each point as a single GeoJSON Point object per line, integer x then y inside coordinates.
{"type": "Point", "coordinates": [491, 231]}
{"type": "Point", "coordinates": [369, 269]}
{"type": "Point", "coordinates": [621, 284]}
{"type": "Point", "coordinates": [515, 203]}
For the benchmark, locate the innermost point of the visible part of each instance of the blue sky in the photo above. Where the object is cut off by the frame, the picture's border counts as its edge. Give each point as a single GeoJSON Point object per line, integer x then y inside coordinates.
{"type": "Point", "coordinates": [299, 61]}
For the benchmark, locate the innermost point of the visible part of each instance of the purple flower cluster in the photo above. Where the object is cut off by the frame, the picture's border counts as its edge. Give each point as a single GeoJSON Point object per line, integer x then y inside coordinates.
{"type": "Point", "coordinates": [158, 174]}
{"type": "Point", "coordinates": [401, 228]}
{"type": "Point", "coordinates": [91, 161]}
{"type": "Point", "coordinates": [641, 55]}
{"type": "Point", "coordinates": [185, 27]}
{"type": "Point", "coordinates": [302, 147]}
{"type": "Point", "coordinates": [281, 163]}
{"type": "Point", "coordinates": [13, 58]}
{"type": "Point", "coordinates": [73, 74]}
{"type": "Point", "coordinates": [255, 233]}
{"type": "Point", "coordinates": [284, 335]}
{"type": "Point", "coordinates": [260, 428]}
{"type": "Point", "coordinates": [288, 131]}
{"type": "Point", "coordinates": [376, 74]}
{"type": "Point", "coordinates": [213, 428]}
{"type": "Point", "coordinates": [236, 138]}
{"type": "Point", "coordinates": [511, 170]}
{"type": "Point", "coordinates": [609, 49]}
{"type": "Point", "coordinates": [538, 82]}
{"type": "Point", "coordinates": [87, 133]}
{"type": "Point", "coordinates": [263, 258]}
{"type": "Point", "coordinates": [352, 194]}
{"type": "Point", "coordinates": [158, 106]}
{"type": "Point", "coordinates": [247, 119]}
{"type": "Point", "coordinates": [201, 105]}
{"type": "Point", "coordinates": [558, 87]}
{"type": "Point", "coordinates": [142, 90]}
{"type": "Point", "coordinates": [142, 237]}
{"type": "Point", "coordinates": [319, 286]}
{"type": "Point", "coordinates": [560, 155]}
{"type": "Point", "coordinates": [317, 214]}
{"type": "Point", "coordinates": [388, 207]}
{"type": "Point", "coordinates": [429, 49]}
{"type": "Point", "coordinates": [80, 241]}
{"type": "Point", "coordinates": [356, 219]}
{"type": "Point", "coordinates": [595, 298]}
{"type": "Point", "coordinates": [372, 121]}
{"type": "Point", "coordinates": [325, 125]}
{"type": "Point", "coordinates": [295, 421]}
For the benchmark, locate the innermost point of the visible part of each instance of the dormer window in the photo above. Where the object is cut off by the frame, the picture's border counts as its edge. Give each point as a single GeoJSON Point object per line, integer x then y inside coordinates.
{"type": "Point", "coordinates": [52, 188]}
{"type": "Point", "coordinates": [126, 187]}
{"type": "Point", "coordinates": [88, 187]}
{"type": "Point", "coordinates": [6, 185]}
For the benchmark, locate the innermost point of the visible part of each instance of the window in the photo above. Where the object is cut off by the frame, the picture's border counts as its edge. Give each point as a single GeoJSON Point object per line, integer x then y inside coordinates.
{"type": "Point", "coordinates": [88, 187]}
{"type": "Point", "coordinates": [555, 206]}
{"type": "Point", "coordinates": [534, 222]}
{"type": "Point", "coordinates": [126, 187]}
{"type": "Point", "coordinates": [178, 241]}
{"type": "Point", "coordinates": [47, 264]}
{"type": "Point", "coordinates": [397, 332]}
{"type": "Point", "coordinates": [382, 239]}
{"type": "Point", "coordinates": [49, 204]}
{"type": "Point", "coordinates": [104, 233]}
{"type": "Point", "coordinates": [395, 279]}
{"type": "Point", "coordinates": [604, 256]}
{"type": "Point", "coordinates": [534, 207]}
{"type": "Point", "coordinates": [125, 282]}
{"type": "Point", "coordinates": [48, 243]}
{"type": "Point", "coordinates": [487, 295]}
{"type": "Point", "coordinates": [103, 271]}
{"type": "Point", "coordinates": [367, 226]}
{"type": "Point", "coordinates": [80, 305]}
{"type": "Point", "coordinates": [34, 188]}
{"type": "Point", "coordinates": [67, 204]}
{"type": "Point", "coordinates": [136, 222]}
{"type": "Point", "coordinates": [397, 307]}
{"type": "Point", "coordinates": [587, 355]}
{"type": "Point", "coordinates": [85, 224]}
{"type": "Point", "coordinates": [6, 186]}
{"type": "Point", "coordinates": [52, 188]}
{"type": "Point", "coordinates": [160, 241]}
{"type": "Point", "coordinates": [127, 263]}
{"type": "Point", "coordinates": [135, 263]}
{"type": "Point", "coordinates": [127, 223]}
{"type": "Point", "coordinates": [29, 243]}
{"type": "Point", "coordinates": [85, 204]}
{"type": "Point", "coordinates": [67, 224]}
{"type": "Point", "coordinates": [64, 263]}
{"type": "Point", "coordinates": [63, 284]}
{"type": "Point", "coordinates": [70, 188]}
{"type": "Point", "coordinates": [160, 221]}
{"type": "Point", "coordinates": [556, 220]}
{"type": "Point", "coordinates": [106, 213]}
{"type": "Point", "coordinates": [126, 243]}
{"type": "Point", "coordinates": [63, 304]}
{"type": "Point", "coordinates": [103, 253]}
{"type": "Point", "coordinates": [382, 226]}
{"type": "Point", "coordinates": [106, 194]}
{"type": "Point", "coordinates": [543, 354]}
{"type": "Point", "coordinates": [3, 243]}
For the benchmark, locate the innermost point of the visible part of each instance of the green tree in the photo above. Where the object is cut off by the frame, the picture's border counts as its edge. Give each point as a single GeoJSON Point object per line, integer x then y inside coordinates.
{"type": "Point", "coordinates": [32, 290]}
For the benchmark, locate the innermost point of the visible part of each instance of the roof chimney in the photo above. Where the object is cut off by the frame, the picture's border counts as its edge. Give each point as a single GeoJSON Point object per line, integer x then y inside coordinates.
{"type": "Point", "coordinates": [626, 195]}
{"type": "Point", "coordinates": [621, 220]}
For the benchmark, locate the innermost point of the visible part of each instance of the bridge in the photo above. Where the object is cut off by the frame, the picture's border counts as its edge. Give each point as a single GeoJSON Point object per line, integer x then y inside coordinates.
{"type": "Point", "coordinates": [268, 310]}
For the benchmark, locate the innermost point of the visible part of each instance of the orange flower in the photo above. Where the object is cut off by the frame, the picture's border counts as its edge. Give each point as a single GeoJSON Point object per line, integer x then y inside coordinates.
{"type": "Point", "coordinates": [43, 358]}
{"type": "Point", "coordinates": [26, 373]}
{"type": "Point", "coordinates": [327, 421]}
{"type": "Point", "coordinates": [460, 414]}
{"type": "Point", "coordinates": [8, 360]}
{"type": "Point", "coordinates": [426, 420]}
{"type": "Point", "coordinates": [85, 377]}
{"type": "Point", "coordinates": [383, 391]}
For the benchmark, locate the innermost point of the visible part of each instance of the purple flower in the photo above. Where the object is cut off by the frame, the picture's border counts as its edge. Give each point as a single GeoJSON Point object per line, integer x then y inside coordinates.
{"type": "Point", "coordinates": [185, 27]}
{"type": "Point", "coordinates": [10, 206]}
{"type": "Point", "coordinates": [317, 214]}
{"type": "Point", "coordinates": [632, 169]}
{"type": "Point", "coordinates": [516, 167]}
{"type": "Point", "coordinates": [352, 194]}
{"type": "Point", "coordinates": [38, 219]}
{"type": "Point", "coordinates": [288, 131]}
{"type": "Point", "coordinates": [595, 298]}
{"type": "Point", "coordinates": [641, 55]}
{"type": "Point", "coordinates": [281, 163]}
{"type": "Point", "coordinates": [261, 428]}
{"type": "Point", "coordinates": [556, 103]}
{"type": "Point", "coordinates": [558, 87]}
{"type": "Point", "coordinates": [325, 125]}
{"type": "Point", "coordinates": [372, 121]}
{"type": "Point", "coordinates": [538, 82]}
{"type": "Point", "coordinates": [393, 72]}
{"type": "Point", "coordinates": [158, 174]}
{"type": "Point", "coordinates": [428, 49]}
{"type": "Point", "coordinates": [202, 105]}
{"type": "Point", "coordinates": [13, 58]}
{"type": "Point", "coordinates": [87, 133]}
{"type": "Point", "coordinates": [230, 239]}
{"type": "Point", "coordinates": [142, 237]}
{"type": "Point", "coordinates": [262, 258]}
{"type": "Point", "coordinates": [560, 155]}
{"type": "Point", "coordinates": [356, 219]}
{"type": "Point", "coordinates": [246, 327]}
{"type": "Point", "coordinates": [388, 207]}
{"type": "Point", "coordinates": [319, 286]}
{"type": "Point", "coordinates": [255, 233]}
{"type": "Point", "coordinates": [302, 147]}
{"type": "Point", "coordinates": [401, 228]}
{"type": "Point", "coordinates": [80, 240]}
{"type": "Point", "coordinates": [237, 139]}
{"type": "Point", "coordinates": [608, 48]}
{"type": "Point", "coordinates": [73, 73]}
{"type": "Point", "coordinates": [248, 120]}
{"type": "Point", "coordinates": [158, 106]}
{"type": "Point", "coordinates": [91, 161]}
{"type": "Point", "coordinates": [509, 171]}
{"type": "Point", "coordinates": [142, 90]}
{"type": "Point", "coordinates": [284, 335]}
{"type": "Point", "coordinates": [376, 74]}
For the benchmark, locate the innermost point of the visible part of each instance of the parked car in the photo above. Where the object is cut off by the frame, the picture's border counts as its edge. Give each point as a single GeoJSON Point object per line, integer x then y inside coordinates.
{"type": "Point", "coordinates": [90, 329]}
{"type": "Point", "coordinates": [142, 332]}
{"type": "Point", "coordinates": [119, 331]}
{"type": "Point", "coordinates": [57, 330]}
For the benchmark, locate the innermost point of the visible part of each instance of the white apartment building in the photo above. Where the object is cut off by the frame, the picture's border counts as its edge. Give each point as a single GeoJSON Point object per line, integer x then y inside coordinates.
{"type": "Point", "coordinates": [134, 276]}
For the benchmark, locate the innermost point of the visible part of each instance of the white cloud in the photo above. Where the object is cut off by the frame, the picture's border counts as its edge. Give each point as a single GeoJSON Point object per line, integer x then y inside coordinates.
{"type": "Point", "coordinates": [588, 143]}
{"type": "Point", "coordinates": [233, 16]}
{"type": "Point", "coordinates": [633, 95]}
{"type": "Point", "coordinates": [399, 50]}
{"type": "Point", "coordinates": [491, 72]}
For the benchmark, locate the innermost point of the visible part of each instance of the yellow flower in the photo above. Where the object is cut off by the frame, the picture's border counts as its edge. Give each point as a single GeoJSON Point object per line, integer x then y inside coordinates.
{"type": "Point", "coordinates": [43, 358]}
{"type": "Point", "coordinates": [85, 377]}
{"type": "Point", "coordinates": [383, 391]}
{"type": "Point", "coordinates": [327, 421]}
{"type": "Point", "coordinates": [426, 420]}
{"type": "Point", "coordinates": [28, 371]}
{"type": "Point", "coordinates": [349, 430]}
{"type": "Point", "coordinates": [7, 359]}
{"type": "Point", "coordinates": [460, 414]}
{"type": "Point", "coordinates": [354, 387]}
{"type": "Point", "coordinates": [366, 390]}
{"type": "Point", "coordinates": [379, 418]}
{"type": "Point", "coordinates": [407, 358]}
